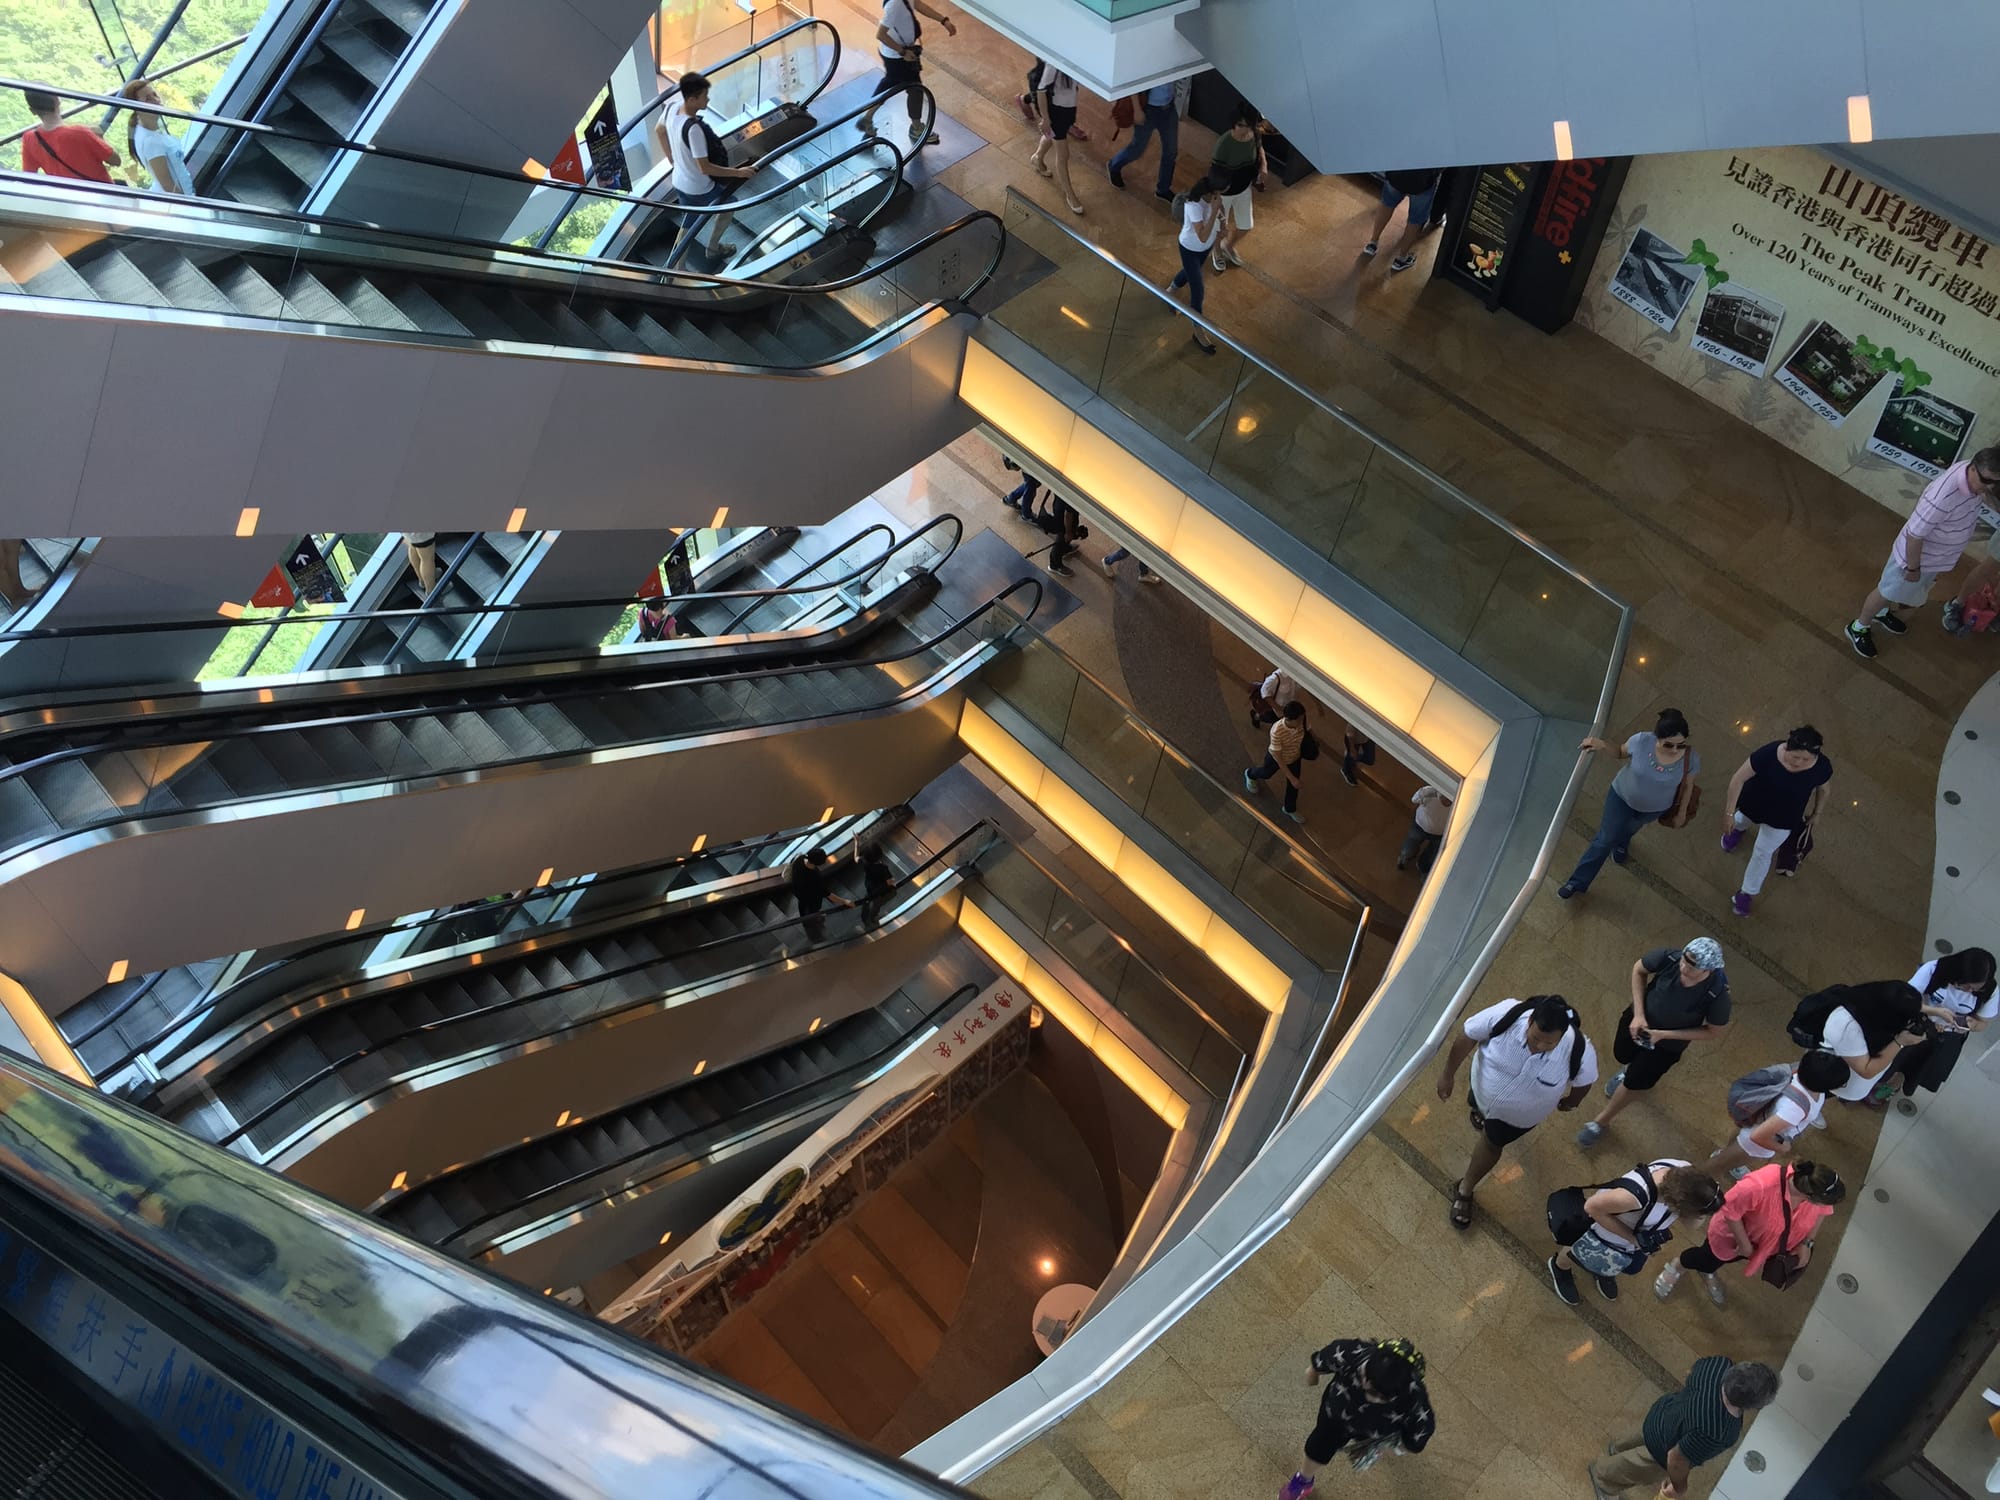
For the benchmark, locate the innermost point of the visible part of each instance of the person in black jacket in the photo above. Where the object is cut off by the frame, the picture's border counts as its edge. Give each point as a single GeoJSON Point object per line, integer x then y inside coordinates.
{"type": "Point", "coordinates": [1374, 1401]}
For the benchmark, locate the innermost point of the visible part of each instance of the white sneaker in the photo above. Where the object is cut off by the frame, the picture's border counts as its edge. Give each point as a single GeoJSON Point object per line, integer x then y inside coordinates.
{"type": "Point", "coordinates": [1232, 257]}
{"type": "Point", "coordinates": [1667, 1280]}
{"type": "Point", "coordinates": [1819, 1122]}
{"type": "Point", "coordinates": [1110, 568]}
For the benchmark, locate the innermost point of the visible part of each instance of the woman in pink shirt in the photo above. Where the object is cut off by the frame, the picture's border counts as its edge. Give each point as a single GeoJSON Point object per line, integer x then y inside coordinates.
{"type": "Point", "coordinates": [1774, 1208]}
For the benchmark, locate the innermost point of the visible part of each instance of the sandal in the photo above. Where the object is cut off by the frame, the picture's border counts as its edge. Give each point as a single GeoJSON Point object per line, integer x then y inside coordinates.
{"type": "Point", "coordinates": [1461, 1210]}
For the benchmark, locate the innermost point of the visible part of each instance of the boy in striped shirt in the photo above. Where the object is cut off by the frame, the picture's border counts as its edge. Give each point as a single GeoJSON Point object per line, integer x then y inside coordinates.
{"type": "Point", "coordinates": [1928, 546]}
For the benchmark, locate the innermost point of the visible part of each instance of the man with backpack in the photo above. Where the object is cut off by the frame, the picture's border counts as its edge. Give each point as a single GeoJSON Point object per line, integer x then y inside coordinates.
{"type": "Point", "coordinates": [1679, 995]}
{"type": "Point", "coordinates": [1773, 1107]}
{"type": "Point", "coordinates": [1530, 1058]}
{"type": "Point", "coordinates": [702, 175]}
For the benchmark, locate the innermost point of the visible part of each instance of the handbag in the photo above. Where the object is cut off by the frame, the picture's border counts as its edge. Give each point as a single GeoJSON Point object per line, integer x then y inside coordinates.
{"type": "Point", "coordinates": [1792, 853]}
{"type": "Point", "coordinates": [1309, 746]}
{"type": "Point", "coordinates": [1784, 1268]}
{"type": "Point", "coordinates": [1567, 1220]}
{"type": "Point", "coordinates": [1687, 803]}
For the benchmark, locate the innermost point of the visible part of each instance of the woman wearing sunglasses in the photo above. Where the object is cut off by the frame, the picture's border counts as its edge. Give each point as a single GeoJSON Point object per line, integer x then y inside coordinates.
{"type": "Point", "coordinates": [1656, 782]}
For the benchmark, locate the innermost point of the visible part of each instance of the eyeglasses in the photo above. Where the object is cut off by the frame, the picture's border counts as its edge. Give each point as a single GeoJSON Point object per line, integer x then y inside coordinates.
{"type": "Point", "coordinates": [1671, 744]}
{"type": "Point", "coordinates": [1985, 478]}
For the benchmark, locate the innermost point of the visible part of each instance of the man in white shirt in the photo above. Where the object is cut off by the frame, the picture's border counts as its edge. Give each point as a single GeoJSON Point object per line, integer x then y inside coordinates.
{"type": "Point", "coordinates": [701, 175]}
{"type": "Point", "coordinates": [1430, 818]}
{"type": "Point", "coordinates": [1275, 692]}
{"type": "Point", "coordinates": [1530, 1058]}
{"type": "Point", "coordinates": [897, 39]}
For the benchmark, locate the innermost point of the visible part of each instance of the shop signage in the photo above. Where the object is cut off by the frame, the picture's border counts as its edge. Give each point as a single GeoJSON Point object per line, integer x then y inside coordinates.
{"type": "Point", "coordinates": [1552, 257]}
{"type": "Point", "coordinates": [1876, 316]}
{"type": "Point", "coordinates": [1485, 217]}
{"type": "Point", "coordinates": [607, 155]}
{"type": "Point", "coordinates": [223, 1430]}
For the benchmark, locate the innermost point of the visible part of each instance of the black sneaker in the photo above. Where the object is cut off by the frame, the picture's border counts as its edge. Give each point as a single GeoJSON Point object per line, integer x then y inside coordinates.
{"type": "Point", "coordinates": [1892, 622]}
{"type": "Point", "coordinates": [1348, 776]}
{"type": "Point", "coordinates": [1116, 181]}
{"type": "Point", "coordinates": [1061, 570]}
{"type": "Point", "coordinates": [1862, 639]}
{"type": "Point", "coordinates": [1563, 1282]}
{"type": "Point", "coordinates": [1607, 1287]}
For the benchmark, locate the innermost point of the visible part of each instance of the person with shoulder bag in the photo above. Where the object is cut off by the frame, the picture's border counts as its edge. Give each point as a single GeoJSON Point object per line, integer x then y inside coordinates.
{"type": "Point", "coordinates": [1656, 784]}
{"type": "Point", "coordinates": [1617, 1226]}
{"type": "Point", "coordinates": [1679, 996]}
{"type": "Point", "coordinates": [1766, 1222]}
{"type": "Point", "coordinates": [1778, 790]}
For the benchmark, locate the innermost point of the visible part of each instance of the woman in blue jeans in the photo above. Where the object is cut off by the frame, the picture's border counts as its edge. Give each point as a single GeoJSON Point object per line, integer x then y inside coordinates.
{"type": "Point", "coordinates": [1657, 779]}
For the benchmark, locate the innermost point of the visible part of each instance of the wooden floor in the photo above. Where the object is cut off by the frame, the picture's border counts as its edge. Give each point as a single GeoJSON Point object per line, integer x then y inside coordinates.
{"type": "Point", "coordinates": [1742, 562]}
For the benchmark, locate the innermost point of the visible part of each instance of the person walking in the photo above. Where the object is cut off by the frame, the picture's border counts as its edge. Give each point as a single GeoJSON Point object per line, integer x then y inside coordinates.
{"type": "Point", "coordinates": [1284, 753]}
{"type": "Point", "coordinates": [1237, 167]}
{"type": "Point", "coordinates": [1374, 1403]}
{"type": "Point", "coordinates": [1111, 560]}
{"type": "Point", "coordinates": [421, 548]}
{"type": "Point", "coordinates": [1699, 1422]}
{"type": "Point", "coordinates": [1959, 998]}
{"type": "Point", "coordinates": [808, 877]}
{"type": "Point", "coordinates": [1022, 496]}
{"type": "Point", "coordinates": [1778, 788]}
{"type": "Point", "coordinates": [1657, 782]}
{"type": "Point", "coordinates": [1530, 1058]}
{"type": "Point", "coordinates": [152, 146]}
{"type": "Point", "coordinates": [1929, 546]}
{"type": "Point", "coordinates": [1428, 821]}
{"type": "Point", "coordinates": [1267, 703]}
{"type": "Point", "coordinates": [1867, 1026]}
{"type": "Point", "coordinates": [1778, 1120]}
{"type": "Point", "coordinates": [899, 41]}
{"type": "Point", "coordinates": [1200, 231]}
{"type": "Point", "coordinates": [56, 149]}
{"type": "Point", "coordinates": [1419, 188]}
{"type": "Point", "coordinates": [878, 882]}
{"type": "Point", "coordinates": [1679, 996]}
{"type": "Point", "coordinates": [1158, 115]}
{"type": "Point", "coordinates": [1627, 1220]}
{"type": "Point", "coordinates": [1356, 750]}
{"type": "Point", "coordinates": [1768, 1216]}
{"type": "Point", "coordinates": [1055, 109]}
{"type": "Point", "coordinates": [656, 621]}
{"type": "Point", "coordinates": [1068, 526]}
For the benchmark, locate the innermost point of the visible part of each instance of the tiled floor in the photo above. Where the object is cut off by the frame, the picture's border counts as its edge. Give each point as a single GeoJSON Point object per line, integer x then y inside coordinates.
{"type": "Point", "coordinates": [1742, 561]}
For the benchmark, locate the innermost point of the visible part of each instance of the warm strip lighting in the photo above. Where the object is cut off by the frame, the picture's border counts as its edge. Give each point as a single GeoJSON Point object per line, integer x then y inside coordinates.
{"type": "Point", "coordinates": [519, 519]}
{"type": "Point", "coordinates": [1563, 149]}
{"type": "Point", "coordinates": [354, 917]}
{"type": "Point", "coordinates": [700, 843]}
{"type": "Point", "coordinates": [721, 515]}
{"type": "Point", "coordinates": [1076, 317]}
{"type": "Point", "coordinates": [265, 695]}
{"type": "Point", "coordinates": [534, 169]}
{"type": "Point", "coordinates": [1860, 120]}
{"type": "Point", "coordinates": [814, 1027]}
{"type": "Point", "coordinates": [827, 816]}
{"type": "Point", "coordinates": [117, 972]}
{"type": "Point", "coordinates": [402, 1181]}
{"type": "Point", "coordinates": [563, 1118]}
{"type": "Point", "coordinates": [229, 611]}
{"type": "Point", "coordinates": [246, 524]}
{"type": "Point", "coordinates": [699, 1066]}
{"type": "Point", "coordinates": [547, 875]}
{"type": "Point", "coordinates": [667, 1236]}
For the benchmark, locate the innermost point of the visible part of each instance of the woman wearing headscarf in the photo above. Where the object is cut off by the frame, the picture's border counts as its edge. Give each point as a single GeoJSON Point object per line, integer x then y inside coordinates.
{"type": "Point", "coordinates": [1679, 995]}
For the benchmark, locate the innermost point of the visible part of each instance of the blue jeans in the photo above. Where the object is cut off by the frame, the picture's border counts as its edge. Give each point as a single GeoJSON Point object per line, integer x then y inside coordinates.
{"type": "Point", "coordinates": [1614, 833]}
{"type": "Point", "coordinates": [1113, 559]}
{"type": "Point", "coordinates": [1420, 846]}
{"type": "Point", "coordinates": [1189, 275]}
{"type": "Point", "coordinates": [1160, 118]}
{"type": "Point", "coordinates": [1269, 769]}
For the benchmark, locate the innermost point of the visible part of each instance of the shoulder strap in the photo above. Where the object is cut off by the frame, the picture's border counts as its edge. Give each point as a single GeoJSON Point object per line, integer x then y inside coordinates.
{"type": "Point", "coordinates": [42, 140]}
{"type": "Point", "coordinates": [1576, 1047]}
{"type": "Point", "coordinates": [1512, 1019]}
{"type": "Point", "coordinates": [1785, 1207]}
{"type": "Point", "coordinates": [1646, 1191]}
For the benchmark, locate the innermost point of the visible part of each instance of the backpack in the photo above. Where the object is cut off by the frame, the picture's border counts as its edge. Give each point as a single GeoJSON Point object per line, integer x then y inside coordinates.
{"type": "Point", "coordinates": [1753, 1096]}
{"type": "Point", "coordinates": [1309, 750]}
{"type": "Point", "coordinates": [1807, 1026]}
{"type": "Point", "coordinates": [1513, 1017]}
{"type": "Point", "coordinates": [712, 147]}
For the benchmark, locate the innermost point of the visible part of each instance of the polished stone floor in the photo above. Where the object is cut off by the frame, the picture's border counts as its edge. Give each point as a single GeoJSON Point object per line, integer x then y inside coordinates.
{"type": "Point", "coordinates": [1741, 561]}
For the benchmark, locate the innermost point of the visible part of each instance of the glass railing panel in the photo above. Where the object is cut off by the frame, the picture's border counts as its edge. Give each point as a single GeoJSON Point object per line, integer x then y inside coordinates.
{"type": "Point", "coordinates": [1037, 683]}
{"type": "Point", "coordinates": [1113, 746]}
{"type": "Point", "coordinates": [1292, 459]}
{"type": "Point", "coordinates": [1201, 816]}
{"type": "Point", "coordinates": [1066, 317]}
{"type": "Point", "coordinates": [1546, 635]}
{"type": "Point", "coordinates": [1154, 373]}
{"type": "Point", "coordinates": [1281, 886]}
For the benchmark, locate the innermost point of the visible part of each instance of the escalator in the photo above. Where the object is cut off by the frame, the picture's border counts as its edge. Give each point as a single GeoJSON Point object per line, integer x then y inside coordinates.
{"type": "Point", "coordinates": [335, 73]}
{"type": "Point", "coordinates": [472, 569]}
{"type": "Point", "coordinates": [181, 1323]}
{"type": "Point", "coordinates": [295, 1078]}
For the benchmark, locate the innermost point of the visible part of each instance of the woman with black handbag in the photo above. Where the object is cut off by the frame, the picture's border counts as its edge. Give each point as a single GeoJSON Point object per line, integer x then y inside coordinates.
{"type": "Point", "coordinates": [1766, 1221]}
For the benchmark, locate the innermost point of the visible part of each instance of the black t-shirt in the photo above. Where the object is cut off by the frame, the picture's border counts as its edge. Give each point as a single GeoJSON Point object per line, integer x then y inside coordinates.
{"type": "Point", "coordinates": [1776, 797]}
{"type": "Point", "coordinates": [1419, 180]}
{"type": "Point", "coordinates": [877, 878]}
{"type": "Point", "coordinates": [1672, 1006]}
{"type": "Point", "coordinates": [808, 885]}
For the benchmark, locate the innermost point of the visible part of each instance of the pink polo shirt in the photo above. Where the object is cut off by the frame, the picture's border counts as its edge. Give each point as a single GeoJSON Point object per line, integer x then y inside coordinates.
{"type": "Point", "coordinates": [1946, 515]}
{"type": "Point", "coordinates": [1756, 1203]}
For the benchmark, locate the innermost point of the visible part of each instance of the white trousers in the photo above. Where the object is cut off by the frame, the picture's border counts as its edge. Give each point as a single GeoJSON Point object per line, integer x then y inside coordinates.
{"type": "Point", "coordinates": [1762, 852]}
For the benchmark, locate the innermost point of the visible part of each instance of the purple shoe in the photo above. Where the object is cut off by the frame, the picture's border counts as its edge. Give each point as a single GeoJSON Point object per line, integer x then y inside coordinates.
{"type": "Point", "coordinates": [1729, 842]}
{"type": "Point", "coordinates": [1295, 1488]}
{"type": "Point", "coordinates": [1740, 904]}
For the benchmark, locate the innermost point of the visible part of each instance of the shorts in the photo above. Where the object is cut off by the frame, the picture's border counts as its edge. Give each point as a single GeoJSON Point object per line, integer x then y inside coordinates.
{"type": "Point", "coordinates": [1600, 1257]}
{"type": "Point", "coordinates": [1420, 203]}
{"type": "Point", "coordinates": [1499, 1132]}
{"type": "Point", "coordinates": [1237, 206]}
{"type": "Point", "coordinates": [1644, 1066]}
{"type": "Point", "coordinates": [1061, 117]}
{"type": "Point", "coordinates": [1326, 1440]}
{"type": "Point", "coordinates": [1898, 589]}
{"type": "Point", "coordinates": [1750, 1148]}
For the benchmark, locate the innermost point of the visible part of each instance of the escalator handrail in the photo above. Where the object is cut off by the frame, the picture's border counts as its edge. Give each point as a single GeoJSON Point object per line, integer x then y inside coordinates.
{"type": "Point", "coordinates": [715, 70]}
{"type": "Point", "coordinates": [213, 998]}
{"type": "Point", "coordinates": [994, 605]}
{"type": "Point", "coordinates": [738, 618]}
{"type": "Point", "coordinates": [956, 525]}
{"type": "Point", "coordinates": [761, 1113]}
{"type": "Point", "coordinates": [332, 1066]}
{"type": "Point", "coordinates": [458, 562]}
{"type": "Point", "coordinates": [275, 90]}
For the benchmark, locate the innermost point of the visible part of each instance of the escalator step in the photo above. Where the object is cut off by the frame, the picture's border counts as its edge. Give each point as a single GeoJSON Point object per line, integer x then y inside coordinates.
{"type": "Point", "coordinates": [608, 328]}
{"type": "Point", "coordinates": [473, 732]}
{"type": "Point", "coordinates": [334, 94]}
{"type": "Point", "coordinates": [293, 166]}
{"type": "Point", "coordinates": [658, 338]}
{"type": "Point", "coordinates": [555, 727]}
{"type": "Point", "coordinates": [242, 764]}
{"type": "Point", "coordinates": [248, 292]}
{"type": "Point", "coordinates": [525, 323]}
{"type": "Point", "coordinates": [361, 53]}
{"type": "Point", "coordinates": [261, 180]}
{"type": "Point", "coordinates": [471, 311]}
{"type": "Point", "coordinates": [70, 794]}
{"type": "Point", "coordinates": [441, 753]}
{"type": "Point", "coordinates": [113, 277]}
{"type": "Point", "coordinates": [420, 307]}
{"type": "Point", "coordinates": [516, 732]}
{"type": "Point", "coordinates": [307, 298]}
{"type": "Point", "coordinates": [370, 308]}
{"type": "Point", "coordinates": [180, 281]}
{"type": "Point", "coordinates": [32, 261]}
{"type": "Point", "coordinates": [573, 332]}
{"type": "Point", "coordinates": [407, 16]}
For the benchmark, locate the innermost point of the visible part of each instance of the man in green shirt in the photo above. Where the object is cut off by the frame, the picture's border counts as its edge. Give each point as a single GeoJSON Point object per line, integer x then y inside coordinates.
{"type": "Point", "coordinates": [1238, 165]}
{"type": "Point", "coordinates": [1700, 1421]}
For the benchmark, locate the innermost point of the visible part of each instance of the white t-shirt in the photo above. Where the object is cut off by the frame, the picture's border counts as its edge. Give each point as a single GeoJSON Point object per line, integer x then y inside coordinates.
{"type": "Point", "coordinates": [151, 145]}
{"type": "Point", "coordinates": [1962, 1003]}
{"type": "Point", "coordinates": [1513, 1084]}
{"type": "Point", "coordinates": [1278, 687]}
{"type": "Point", "coordinates": [1060, 87]}
{"type": "Point", "coordinates": [1842, 1037]}
{"type": "Point", "coordinates": [1191, 239]}
{"type": "Point", "coordinates": [1795, 1109]}
{"type": "Point", "coordinates": [690, 146]}
{"type": "Point", "coordinates": [899, 19]}
{"type": "Point", "coordinates": [1433, 816]}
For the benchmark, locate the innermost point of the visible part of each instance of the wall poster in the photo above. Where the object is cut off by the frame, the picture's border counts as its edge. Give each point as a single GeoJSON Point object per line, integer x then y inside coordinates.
{"type": "Point", "coordinates": [1835, 313]}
